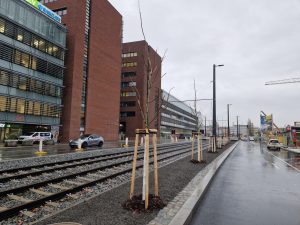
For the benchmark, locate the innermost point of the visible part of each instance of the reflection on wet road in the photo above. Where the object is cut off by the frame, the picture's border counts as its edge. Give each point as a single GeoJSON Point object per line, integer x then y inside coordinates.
{"type": "Point", "coordinates": [253, 186]}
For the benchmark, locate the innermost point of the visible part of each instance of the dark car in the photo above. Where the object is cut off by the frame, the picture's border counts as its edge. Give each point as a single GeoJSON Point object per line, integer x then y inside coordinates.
{"type": "Point", "coordinates": [87, 140]}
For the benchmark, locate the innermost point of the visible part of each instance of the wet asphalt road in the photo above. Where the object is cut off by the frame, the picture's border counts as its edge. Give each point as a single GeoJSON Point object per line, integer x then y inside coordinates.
{"type": "Point", "coordinates": [253, 187]}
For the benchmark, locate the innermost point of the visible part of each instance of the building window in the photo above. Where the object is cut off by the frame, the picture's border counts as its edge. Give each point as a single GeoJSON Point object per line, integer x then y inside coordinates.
{"type": "Point", "coordinates": [21, 106]}
{"type": "Point", "coordinates": [129, 64]}
{"type": "Point", "coordinates": [23, 83]}
{"type": "Point", "coordinates": [61, 12]}
{"type": "Point", "coordinates": [18, 33]}
{"type": "Point", "coordinates": [128, 84]}
{"type": "Point", "coordinates": [37, 109]}
{"type": "Point", "coordinates": [4, 78]}
{"type": "Point", "coordinates": [128, 74]}
{"type": "Point", "coordinates": [128, 93]}
{"type": "Point", "coordinates": [29, 109]}
{"type": "Point", "coordinates": [47, 1]}
{"type": "Point", "coordinates": [2, 26]}
{"type": "Point", "coordinates": [3, 100]}
{"type": "Point", "coordinates": [13, 105]}
{"type": "Point", "coordinates": [129, 54]}
{"type": "Point", "coordinates": [24, 106]}
{"type": "Point", "coordinates": [23, 59]}
{"type": "Point", "coordinates": [128, 104]}
{"type": "Point", "coordinates": [127, 114]}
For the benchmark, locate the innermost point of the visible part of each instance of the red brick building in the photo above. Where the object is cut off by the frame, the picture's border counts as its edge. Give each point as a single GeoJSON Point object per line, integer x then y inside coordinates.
{"type": "Point", "coordinates": [134, 87]}
{"type": "Point", "coordinates": [93, 66]}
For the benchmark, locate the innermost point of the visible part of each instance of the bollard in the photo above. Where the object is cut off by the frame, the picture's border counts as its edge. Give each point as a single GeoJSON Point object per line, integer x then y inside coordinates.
{"type": "Point", "coordinates": [176, 140]}
{"type": "Point", "coordinates": [40, 152]}
{"type": "Point", "coordinates": [79, 145]}
{"type": "Point", "coordinates": [126, 143]}
{"type": "Point", "coordinates": [41, 145]}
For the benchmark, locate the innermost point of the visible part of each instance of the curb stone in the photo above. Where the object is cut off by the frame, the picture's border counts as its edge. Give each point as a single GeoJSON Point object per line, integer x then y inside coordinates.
{"type": "Point", "coordinates": [180, 210]}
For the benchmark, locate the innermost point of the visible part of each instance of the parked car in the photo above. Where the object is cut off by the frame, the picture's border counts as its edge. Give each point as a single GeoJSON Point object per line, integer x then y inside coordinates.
{"type": "Point", "coordinates": [273, 144]}
{"type": "Point", "coordinates": [35, 136]}
{"type": "Point", "coordinates": [251, 138]}
{"type": "Point", "coordinates": [87, 140]}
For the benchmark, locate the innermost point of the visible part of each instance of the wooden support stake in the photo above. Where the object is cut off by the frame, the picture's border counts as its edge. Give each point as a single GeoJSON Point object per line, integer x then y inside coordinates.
{"type": "Point", "coordinates": [155, 165]}
{"type": "Point", "coordinates": [198, 148]}
{"type": "Point", "coordinates": [193, 139]}
{"type": "Point", "coordinates": [201, 148]}
{"type": "Point", "coordinates": [136, 144]}
{"type": "Point", "coordinates": [147, 171]}
{"type": "Point", "coordinates": [215, 145]}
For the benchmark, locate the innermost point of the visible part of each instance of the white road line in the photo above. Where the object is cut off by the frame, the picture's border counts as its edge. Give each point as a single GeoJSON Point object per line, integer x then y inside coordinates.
{"type": "Point", "coordinates": [283, 161]}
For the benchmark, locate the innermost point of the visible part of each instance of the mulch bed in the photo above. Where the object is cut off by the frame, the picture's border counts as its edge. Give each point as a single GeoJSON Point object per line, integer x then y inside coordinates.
{"type": "Point", "coordinates": [137, 204]}
{"type": "Point", "coordinates": [194, 161]}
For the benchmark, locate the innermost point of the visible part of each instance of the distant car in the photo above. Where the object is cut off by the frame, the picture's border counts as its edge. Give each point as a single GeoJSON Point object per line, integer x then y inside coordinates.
{"type": "Point", "coordinates": [273, 144]}
{"type": "Point", "coordinates": [244, 139]}
{"type": "Point", "coordinates": [87, 140]}
{"type": "Point", "coordinates": [35, 136]}
{"type": "Point", "coordinates": [234, 139]}
{"type": "Point", "coordinates": [251, 138]}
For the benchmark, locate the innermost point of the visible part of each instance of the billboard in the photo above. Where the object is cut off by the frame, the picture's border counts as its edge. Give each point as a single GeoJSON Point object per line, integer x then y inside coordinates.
{"type": "Point", "coordinates": [44, 9]}
{"type": "Point", "coordinates": [266, 122]}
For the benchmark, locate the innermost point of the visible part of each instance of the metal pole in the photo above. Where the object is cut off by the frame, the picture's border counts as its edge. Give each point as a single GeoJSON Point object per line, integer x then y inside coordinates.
{"type": "Point", "coordinates": [237, 126]}
{"type": "Point", "coordinates": [205, 125]}
{"type": "Point", "coordinates": [214, 101]}
{"type": "Point", "coordinates": [228, 127]}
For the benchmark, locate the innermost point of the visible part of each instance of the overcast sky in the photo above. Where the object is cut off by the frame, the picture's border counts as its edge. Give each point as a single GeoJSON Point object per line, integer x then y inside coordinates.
{"type": "Point", "coordinates": [256, 40]}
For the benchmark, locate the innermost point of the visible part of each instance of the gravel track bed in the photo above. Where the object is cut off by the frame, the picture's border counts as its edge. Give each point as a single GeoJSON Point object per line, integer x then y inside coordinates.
{"type": "Point", "coordinates": [63, 172]}
{"type": "Point", "coordinates": [19, 163]}
{"type": "Point", "coordinates": [106, 208]}
{"type": "Point", "coordinates": [89, 192]}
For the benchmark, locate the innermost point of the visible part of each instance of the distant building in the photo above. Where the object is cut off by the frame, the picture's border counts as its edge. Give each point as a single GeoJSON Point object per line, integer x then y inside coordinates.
{"type": "Point", "coordinates": [243, 130]}
{"type": "Point", "coordinates": [93, 67]}
{"type": "Point", "coordinates": [176, 117]}
{"type": "Point", "coordinates": [134, 87]}
{"type": "Point", "coordinates": [32, 52]}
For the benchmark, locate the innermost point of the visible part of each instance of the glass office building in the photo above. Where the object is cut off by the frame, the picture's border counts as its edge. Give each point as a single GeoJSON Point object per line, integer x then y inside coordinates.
{"type": "Point", "coordinates": [32, 51]}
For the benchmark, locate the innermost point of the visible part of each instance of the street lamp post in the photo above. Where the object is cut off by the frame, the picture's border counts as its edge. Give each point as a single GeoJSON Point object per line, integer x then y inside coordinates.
{"type": "Point", "coordinates": [205, 126]}
{"type": "Point", "coordinates": [237, 126]}
{"type": "Point", "coordinates": [228, 126]}
{"type": "Point", "coordinates": [214, 100]}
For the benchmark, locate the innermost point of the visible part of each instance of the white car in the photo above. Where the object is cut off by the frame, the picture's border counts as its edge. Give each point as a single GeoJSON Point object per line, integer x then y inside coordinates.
{"type": "Point", "coordinates": [273, 144]}
{"type": "Point", "coordinates": [251, 138]}
{"type": "Point", "coordinates": [35, 136]}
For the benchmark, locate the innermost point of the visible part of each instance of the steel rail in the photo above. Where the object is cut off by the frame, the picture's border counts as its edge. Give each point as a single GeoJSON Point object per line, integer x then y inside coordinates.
{"type": "Point", "coordinates": [70, 176]}
{"type": "Point", "coordinates": [84, 158]}
{"type": "Point", "coordinates": [37, 203]}
{"type": "Point", "coordinates": [56, 166]}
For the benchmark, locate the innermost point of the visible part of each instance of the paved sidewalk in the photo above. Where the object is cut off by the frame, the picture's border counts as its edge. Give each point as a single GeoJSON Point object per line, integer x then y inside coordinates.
{"type": "Point", "coordinates": [292, 149]}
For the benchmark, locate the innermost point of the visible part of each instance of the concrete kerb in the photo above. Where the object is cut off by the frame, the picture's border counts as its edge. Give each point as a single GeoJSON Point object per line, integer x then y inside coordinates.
{"type": "Point", "coordinates": [191, 196]}
{"type": "Point", "coordinates": [294, 150]}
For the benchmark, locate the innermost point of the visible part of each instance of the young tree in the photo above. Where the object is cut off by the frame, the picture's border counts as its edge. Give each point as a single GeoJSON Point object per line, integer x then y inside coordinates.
{"type": "Point", "coordinates": [152, 99]}
{"type": "Point", "coordinates": [197, 134]}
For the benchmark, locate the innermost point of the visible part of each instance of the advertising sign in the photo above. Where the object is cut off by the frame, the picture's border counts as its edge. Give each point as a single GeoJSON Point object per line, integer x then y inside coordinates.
{"type": "Point", "coordinates": [263, 125]}
{"type": "Point", "coordinates": [44, 9]}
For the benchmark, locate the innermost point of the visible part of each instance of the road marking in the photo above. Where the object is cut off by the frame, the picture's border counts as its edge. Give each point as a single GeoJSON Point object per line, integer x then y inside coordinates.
{"type": "Point", "coordinates": [275, 165]}
{"type": "Point", "coordinates": [283, 161]}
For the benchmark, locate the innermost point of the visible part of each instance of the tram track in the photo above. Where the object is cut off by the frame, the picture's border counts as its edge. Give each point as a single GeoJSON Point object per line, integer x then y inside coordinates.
{"type": "Point", "coordinates": [53, 189]}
